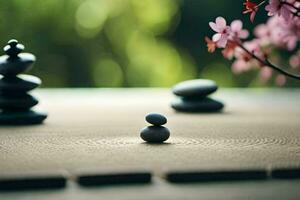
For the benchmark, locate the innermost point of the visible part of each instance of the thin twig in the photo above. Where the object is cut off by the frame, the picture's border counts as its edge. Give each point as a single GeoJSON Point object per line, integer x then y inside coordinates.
{"type": "Point", "coordinates": [291, 5]}
{"type": "Point", "coordinates": [296, 9]}
{"type": "Point", "coordinates": [267, 63]}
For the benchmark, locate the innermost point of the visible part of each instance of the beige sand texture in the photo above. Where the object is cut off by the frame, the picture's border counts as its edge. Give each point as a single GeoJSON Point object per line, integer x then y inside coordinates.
{"type": "Point", "coordinates": [99, 129]}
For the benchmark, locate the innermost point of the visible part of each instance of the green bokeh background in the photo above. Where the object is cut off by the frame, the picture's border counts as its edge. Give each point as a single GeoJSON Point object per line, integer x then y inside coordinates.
{"type": "Point", "coordinates": [123, 43]}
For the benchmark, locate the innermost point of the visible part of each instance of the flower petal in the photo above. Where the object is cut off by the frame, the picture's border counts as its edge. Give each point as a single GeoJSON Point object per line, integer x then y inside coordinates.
{"type": "Point", "coordinates": [222, 41]}
{"type": "Point", "coordinates": [213, 26]}
{"type": "Point", "coordinates": [216, 37]}
{"type": "Point", "coordinates": [221, 23]}
{"type": "Point", "coordinates": [252, 16]}
{"type": "Point", "coordinates": [243, 34]}
{"type": "Point", "coordinates": [236, 25]}
{"type": "Point", "coordinates": [280, 80]}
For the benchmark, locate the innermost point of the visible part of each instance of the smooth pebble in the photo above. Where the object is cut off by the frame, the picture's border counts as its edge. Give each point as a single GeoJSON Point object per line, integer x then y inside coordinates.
{"type": "Point", "coordinates": [155, 134]}
{"type": "Point", "coordinates": [22, 117]}
{"type": "Point", "coordinates": [197, 105]}
{"type": "Point", "coordinates": [13, 102]}
{"type": "Point", "coordinates": [156, 119]}
{"type": "Point", "coordinates": [20, 83]}
{"type": "Point", "coordinates": [195, 88]}
{"type": "Point", "coordinates": [13, 67]}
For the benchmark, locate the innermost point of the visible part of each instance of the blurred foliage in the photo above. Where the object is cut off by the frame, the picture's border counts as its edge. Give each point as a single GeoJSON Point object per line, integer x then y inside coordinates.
{"type": "Point", "coordinates": [121, 43]}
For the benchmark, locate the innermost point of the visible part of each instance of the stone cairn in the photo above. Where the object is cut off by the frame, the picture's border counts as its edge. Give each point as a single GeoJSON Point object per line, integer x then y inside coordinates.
{"type": "Point", "coordinates": [15, 102]}
{"type": "Point", "coordinates": [156, 133]}
{"type": "Point", "coordinates": [192, 97]}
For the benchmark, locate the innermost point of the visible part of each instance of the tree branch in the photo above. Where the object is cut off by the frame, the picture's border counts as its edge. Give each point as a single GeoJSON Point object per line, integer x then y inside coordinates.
{"type": "Point", "coordinates": [297, 10]}
{"type": "Point", "coordinates": [267, 63]}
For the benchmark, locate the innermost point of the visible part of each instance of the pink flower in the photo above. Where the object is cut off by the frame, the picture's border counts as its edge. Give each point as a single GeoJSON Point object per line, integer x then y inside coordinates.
{"type": "Point", "coordinates": [277, 7]}
{"type": "Point", "coordinates": [237, 30]}
{"type": "Point", "coordinates": [255, 48]}
{"type": "Point", "coordinates": [280, 80]}
{"type": "Point", "coordinates": [240, 65]}
{"type": "Point", "coordinates": [295, 61]}
{"type": "Point", "coordinates": [263, 33]}
{"type": "Point", "coordinates": [291, 1]}
{"type": "Point", "coordinates": [228, 51]}
{"type": "Point", "coordinates": [265, 74]}
{"type": "Point", "coordinates": [279, 32]}
{"type": "Point", "coordinates": [221, 37]}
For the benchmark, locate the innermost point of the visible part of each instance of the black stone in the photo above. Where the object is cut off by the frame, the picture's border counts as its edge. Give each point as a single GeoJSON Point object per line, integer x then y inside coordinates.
{"type": "Point", "coordinates": [32, 182]}
{"type": "Point", "coordinates": [13, 48]}
{"type": "Point", "coordinates": [156, 119]}
{"type": "Point", "coordinates": [22, 63]}
{"type": "Point", "coordinates": [195, 88]}
{"type": "Point", "coordinates": [114, 179]}
{"type": "Point", "coordinates": [155, 134]}
{"type": "Point", "coordinates": [197, 105]}
{"type": "Point", "coordinates": [19, 84]}
{"type": "Point", "coordinates": [286, 173]}
{"type": "Point", "coordinates": [210, 176]}
{"type": "Point", "coordinates": [21, 117]}
{"type": "Point", "coordinates": [17, 101]}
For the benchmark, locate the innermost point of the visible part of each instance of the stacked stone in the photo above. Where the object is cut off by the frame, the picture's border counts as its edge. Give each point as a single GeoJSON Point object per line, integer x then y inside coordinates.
{"type": "Point", "coordinates": [15, 102]}
{"type": "Point", "coordinates": [155, 133]}
{"type": "Point", "coordinates": [192, 96]}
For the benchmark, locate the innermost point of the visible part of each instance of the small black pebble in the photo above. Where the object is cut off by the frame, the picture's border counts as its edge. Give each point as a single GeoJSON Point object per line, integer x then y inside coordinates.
{"type": "Point", "coordinates": [155, 134]}
{"type": "Point", "coordinates": [156, 119]}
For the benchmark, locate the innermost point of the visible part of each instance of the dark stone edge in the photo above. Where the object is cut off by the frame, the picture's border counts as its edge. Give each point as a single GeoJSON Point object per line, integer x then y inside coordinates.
{"type": "Point", "coordinates": [38, 183]}
{"type": "Point", "coordinates": [192, 110]}
{"type": "Point", "coordinates": [284, 173]}
{"type": "Point", "coordinates": [213, 176]}
{"type": "Point", "coordinates": [22, 121]}
{"type": "Point", "coordinates": [193, 95]}
{"type": "Point", "coordinates": [114, 179]}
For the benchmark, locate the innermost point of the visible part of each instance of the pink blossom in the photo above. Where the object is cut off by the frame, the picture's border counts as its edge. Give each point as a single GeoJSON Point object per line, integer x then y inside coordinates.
{"type": "Point", "coordinates": [263, 33]}
{"type": "Point", "coordinates": [285, 34]}
{"type": "Point", "coordinates": [277, 7]}
{"type": "Point", "coordinates": [294, 61]}
{"type": "Point", "coordinates": [265, 74]}
{"type": "Point", "coordinates": [240, 65]}
{"type": "Point", "coordinates": [282, 30]}
{"type": "Point", "coordinates": [228, 51]}
{"type": "Point", "coordinates": [280, 80]}
{"type": "Point", "coordinates": [255, 48]}
{"type": "Point", "coordinates": [244, 61]}
{"type": "Point", "coordinates": [221, 37]}
{"type": "Point", "coordinates": [291, 1]}
{"type": "Point", "coordinates": [237, 30]}
{"type": "Point", "coordinates": [279, 32]}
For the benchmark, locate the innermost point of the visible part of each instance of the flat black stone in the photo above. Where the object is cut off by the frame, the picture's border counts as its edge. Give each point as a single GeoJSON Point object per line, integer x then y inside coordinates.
{"type": "Point", "coordinates": [22, 117]}
{"type": "Point", "coordinates": [13, 48]}
{"type": "Point", "coordinates": [14, 101]}
{"type": "Point", "coordinates": [19, 84]}
{"type": "Point", "coordinates": [114, 179]}
{"type": "Point", "coordinates": [211, 176]}
{"type": "Point", "coordinates": [156, 119]}
{"type": "Point", "coordinates": [155, 134]}
{"type": "Point", "coordinates": [205, 104]}
{"type": "Point", "coordinates": [195, 88]}
{"type": "Point", "coordinates": [285, 173]}
{"type": "Point", "coordinates": [32, 182]}
{"type": "Point", "coordinates": [16, 66]}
